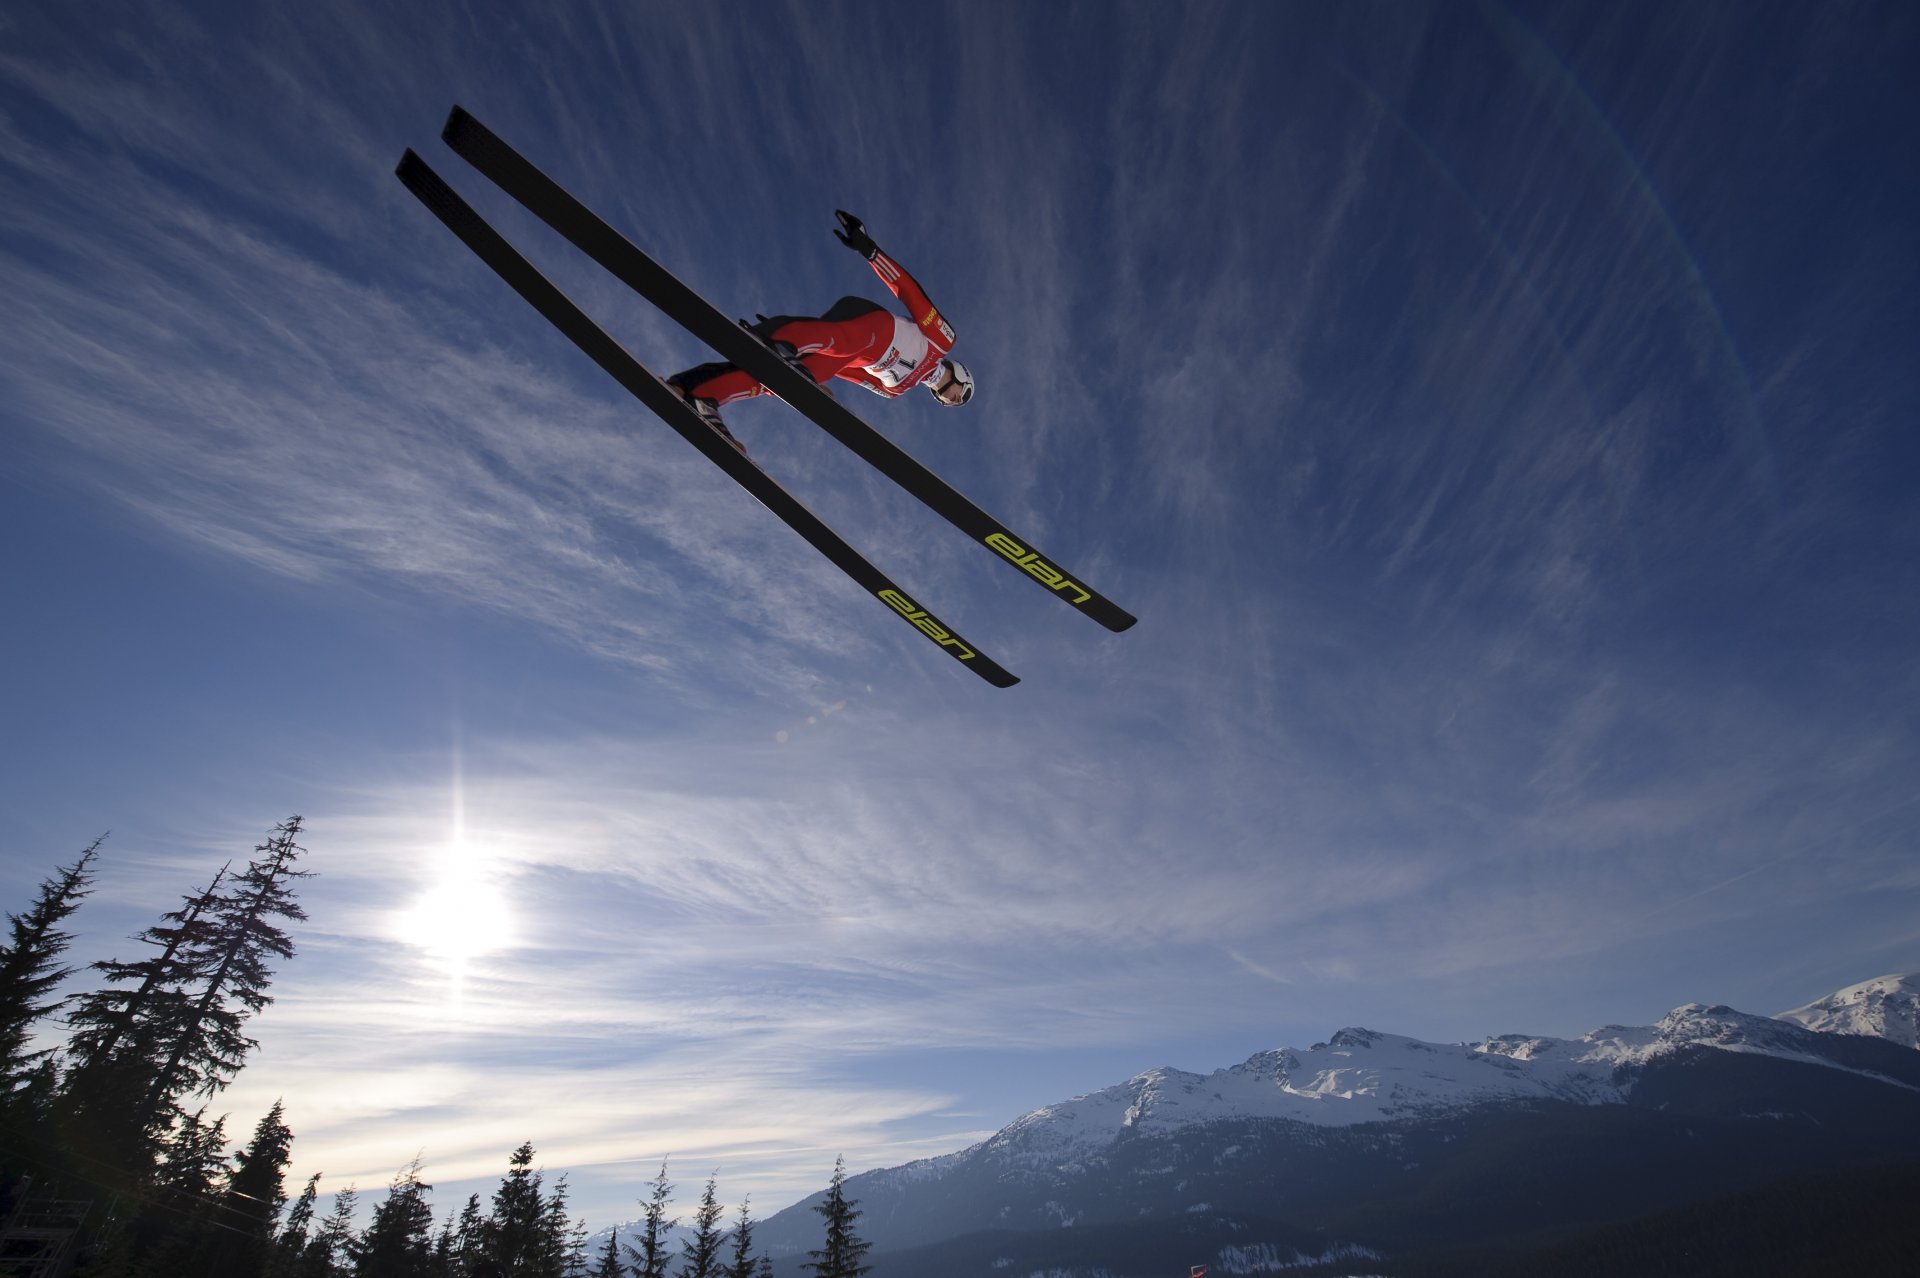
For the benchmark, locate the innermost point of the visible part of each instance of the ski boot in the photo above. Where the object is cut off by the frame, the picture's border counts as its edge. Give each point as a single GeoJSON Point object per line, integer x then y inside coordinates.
{"type": "Point", "coordinates": [787, 351]}
{"type": "Point", "coordinates": [705, 409]}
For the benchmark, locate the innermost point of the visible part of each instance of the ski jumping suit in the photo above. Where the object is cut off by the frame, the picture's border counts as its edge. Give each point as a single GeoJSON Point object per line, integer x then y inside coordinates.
{"type": "Point", "coordinates": [856, 340]}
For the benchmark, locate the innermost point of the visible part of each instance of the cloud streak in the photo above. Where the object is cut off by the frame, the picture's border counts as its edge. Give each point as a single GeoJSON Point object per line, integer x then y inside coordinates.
{"type": "Point", "coordinates": [1471, 658]}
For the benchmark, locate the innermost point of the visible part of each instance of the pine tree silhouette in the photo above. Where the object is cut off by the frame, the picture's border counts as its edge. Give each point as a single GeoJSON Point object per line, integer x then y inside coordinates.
{"type": "Point", "coordinates": [610, 1265]}
{"type": "Point", "coordinates": [650, 1257]}
{"type": "Point", "coordinates": [292, 1244]}
{"type": "Point", "coordinates": [700, 1258]}
{"type": "Point", "coordinates": [742, 1265]}
{"type": "Point", "coordinates": [398, 1242]}
{"type": "Point", "coordinates": [28, 975]}
{"type": "Point", "coordinates": [845, 1249]}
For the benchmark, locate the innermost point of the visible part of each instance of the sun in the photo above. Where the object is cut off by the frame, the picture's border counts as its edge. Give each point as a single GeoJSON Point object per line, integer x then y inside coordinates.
{"type": "Point", "coordinates": [460, 917]}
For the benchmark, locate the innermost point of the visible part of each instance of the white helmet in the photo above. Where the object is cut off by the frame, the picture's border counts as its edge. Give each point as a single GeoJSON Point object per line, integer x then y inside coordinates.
{"type": "Point", "coordinates": [956, 388]}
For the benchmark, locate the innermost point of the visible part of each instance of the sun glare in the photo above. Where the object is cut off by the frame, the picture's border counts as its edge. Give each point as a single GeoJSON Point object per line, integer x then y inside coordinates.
{"type": "Point", "coordinates": [459, 918]}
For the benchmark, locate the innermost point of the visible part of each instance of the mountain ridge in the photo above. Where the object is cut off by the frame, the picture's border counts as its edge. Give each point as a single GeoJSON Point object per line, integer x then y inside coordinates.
{"type": "Point", "coordinates": [1281, 1136]}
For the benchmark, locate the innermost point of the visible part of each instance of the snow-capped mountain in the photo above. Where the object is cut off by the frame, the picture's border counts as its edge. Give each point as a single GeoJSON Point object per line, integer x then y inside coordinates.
{"type": "Point", "coordinates": [1365, 1076]}
{"type": "Point", "coordinates": [1306, 1150]}
{"type": "Point", "coordinates": [1886, 1007]}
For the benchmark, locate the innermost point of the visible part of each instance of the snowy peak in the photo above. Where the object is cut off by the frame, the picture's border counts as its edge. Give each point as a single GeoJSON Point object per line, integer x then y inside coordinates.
{"type": "Point", "coordinates": [1886, 1007]}
{"type": "Point", "coordinates": [1689, 1025]}
{"type": "Point", "coordinates": [1696, 1025]}
{"type": "Point", "coordinates": [1366, 1076]}
{"type": "Point", "coordinates": [1357, 1076]}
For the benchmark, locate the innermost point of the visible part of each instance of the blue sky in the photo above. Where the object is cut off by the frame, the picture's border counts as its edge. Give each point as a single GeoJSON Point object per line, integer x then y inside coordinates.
{"type": "Point", "coordinates": [1501, 418]}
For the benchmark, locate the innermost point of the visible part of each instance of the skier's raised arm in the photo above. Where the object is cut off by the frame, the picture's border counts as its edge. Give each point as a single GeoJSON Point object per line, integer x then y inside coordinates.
{"type": "Point", "coordinates": [926, 315]}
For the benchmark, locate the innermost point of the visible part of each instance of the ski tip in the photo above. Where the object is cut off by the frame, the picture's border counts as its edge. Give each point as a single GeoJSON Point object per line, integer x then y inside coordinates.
{"type": "Point", "coordinates": [458, 121]}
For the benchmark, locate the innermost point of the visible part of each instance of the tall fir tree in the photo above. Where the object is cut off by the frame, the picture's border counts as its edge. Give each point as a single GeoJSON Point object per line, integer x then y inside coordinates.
{"type": "Point", "coordinates": [193, 1158]}
{"type": "Point", "coordinates": [138, 1052]}
{"type": "Point", "coordinates": [469, 1238]}
{"type": "Point", "coordinates": [563, 1240]}
{"type": "Point", "coordinates": [513, 1235]}
{"type": "Point", "coordinates": [106, 1025]}
{"type": "Point", "coordinates": [610, 1265]}
{"type": "Point", "coordinates": [29, 973]}
{"type": "Point", "coordinates": [330, 1252]}
{"type": "Point", "coordinates": [700, 1256]}
{"type": "Point", "coordinates": [845, 1249]}
{"type": "Point", "coordinates": [207, 1046]}
{"type": "Point", "coordinates": [446, 1252]}
{"type": "Point", "coordinates": [742, 1266]}
{"type": "Point", "coordinates": [292, 1243]}
{"type": "Point", "coordinates": [255, 1193]}
{"type": "Point", "coordinates": [398, 1242]}
{"type": "Point", "coordinates": [650, 1257]}
{"type": "Point", "coordinates": [175, 1228]}
{"type": "Point", "coordinates": [115, 1039]}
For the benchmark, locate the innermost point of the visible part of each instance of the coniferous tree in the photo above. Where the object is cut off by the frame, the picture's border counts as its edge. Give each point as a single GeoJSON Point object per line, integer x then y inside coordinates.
{"type": "Point", "coordinates": [700, 1257]}
{"type": "Point", "coordinates": [610, 1266]}
{"type": "Point", "coordinates": [563, 1241]}
{"type": "Point", "coordinates": [766, 1267]}
{"type": "Point", "coordinates": [292, 1244]}
{"type": "Point", "coordinates": [398, 1242]}
{"type": "Point", "coordinates": [512, 1235]}
{"type": "Point", "coordinates": [469, 1237]}
{"type": "Point", "coordinates": [116, 1039]}
{"type": "Point", "coordinates": [207, 1047]}
{"type": "Point", "coordinates": [650, 1257]}
{"type": "Point", "coordinates": [845, 1249]}
{"type": "Point", "coordinates": [328, 1255]}
{"type": "Point", "coordinates": [193, 1158]}
{"type": "Point", "coordinates": [255, 1193]}
{"type": "Point", "coordinates": [742, 1265]}
{"type": "Point", "coordinates": [138, 1052]}
{"type": "Point", "coordinates": [446, 1252]}
{"type": "Point", "coordinates": [174, 1231]}
{"type": "Point", "coordinates": [103, 1021]}
{"type": "Point", "coordinates": [29, 972]}
{"type": "Point", "coordinates": [30, 1106]}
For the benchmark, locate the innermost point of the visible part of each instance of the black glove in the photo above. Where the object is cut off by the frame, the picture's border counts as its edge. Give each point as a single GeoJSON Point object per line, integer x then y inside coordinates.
{"type": "Point", "coordinates": [855, 235]}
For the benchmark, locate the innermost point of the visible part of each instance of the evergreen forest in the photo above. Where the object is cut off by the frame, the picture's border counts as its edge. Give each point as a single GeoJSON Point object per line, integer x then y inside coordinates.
{"type": "Point", "coordinates": [115, 1162]}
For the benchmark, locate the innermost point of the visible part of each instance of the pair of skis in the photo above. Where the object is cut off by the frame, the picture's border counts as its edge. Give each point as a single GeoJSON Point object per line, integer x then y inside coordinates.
{"type": "Point", "coordinates": [515, 175]}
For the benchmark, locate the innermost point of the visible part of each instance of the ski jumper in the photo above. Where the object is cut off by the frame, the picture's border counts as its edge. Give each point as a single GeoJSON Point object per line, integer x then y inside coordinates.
{"type": "Point", "coordinates": [857, 341]}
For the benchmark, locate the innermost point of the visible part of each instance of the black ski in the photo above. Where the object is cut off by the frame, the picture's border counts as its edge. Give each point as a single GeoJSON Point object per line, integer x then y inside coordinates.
{"type": "Point", "coordinates": [563, 314]}
{"type": "Point", "coordinates": [547, 200]}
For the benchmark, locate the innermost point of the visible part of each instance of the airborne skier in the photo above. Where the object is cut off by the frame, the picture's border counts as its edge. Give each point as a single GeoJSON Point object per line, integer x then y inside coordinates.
{"type": "Point", "coordinates": [856, 340]}
{"type": "Point", "coordinates": [794, 374]}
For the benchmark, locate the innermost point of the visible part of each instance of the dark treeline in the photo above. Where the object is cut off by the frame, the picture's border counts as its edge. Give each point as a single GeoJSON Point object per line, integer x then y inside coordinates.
{"type": "Point", "coordinates": [110, 1166]}
{"type": "Point", "coordinates": [1859, 1223]}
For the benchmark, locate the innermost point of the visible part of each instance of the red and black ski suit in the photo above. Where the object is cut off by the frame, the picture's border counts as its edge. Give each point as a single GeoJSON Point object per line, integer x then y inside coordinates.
{"type": "Point", "coordinates": [856, 340]}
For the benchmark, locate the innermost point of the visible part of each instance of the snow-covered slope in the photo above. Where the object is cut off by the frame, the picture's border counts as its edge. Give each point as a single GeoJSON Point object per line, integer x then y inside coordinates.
{"type": "Point", "coordinates": [1366, 1115]}
{"type": "Point", "coordinates": [1364, 1076]}
{"type": "Point", "coordinates": [1692, 1025]}
{"type": "Point", "coordinates": [1357, 1076]}
{"type": "Point", "coordinates": [1886, 1007]}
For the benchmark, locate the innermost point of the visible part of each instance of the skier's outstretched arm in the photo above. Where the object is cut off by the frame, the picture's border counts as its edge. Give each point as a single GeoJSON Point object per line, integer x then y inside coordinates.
{"type": "Point", "coordinates": [853, 234]}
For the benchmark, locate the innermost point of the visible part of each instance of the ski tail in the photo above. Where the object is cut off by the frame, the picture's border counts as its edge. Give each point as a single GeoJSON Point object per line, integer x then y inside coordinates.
{"type": "Point", "coordinates": [593, 341]}
{"type": "Point", "coordinates": [554, 205]}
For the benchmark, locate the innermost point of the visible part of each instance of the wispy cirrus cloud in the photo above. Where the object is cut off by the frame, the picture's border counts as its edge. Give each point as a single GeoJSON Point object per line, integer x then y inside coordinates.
{"type": "Point", "coordinates": [1473, 659]}
{"type": "Point", "coordinates": [244, 395]}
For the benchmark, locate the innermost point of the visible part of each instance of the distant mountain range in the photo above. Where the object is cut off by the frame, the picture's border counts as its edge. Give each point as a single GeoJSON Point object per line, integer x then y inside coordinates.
{"type": "Point", "coordinates": [1382, 1151]}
